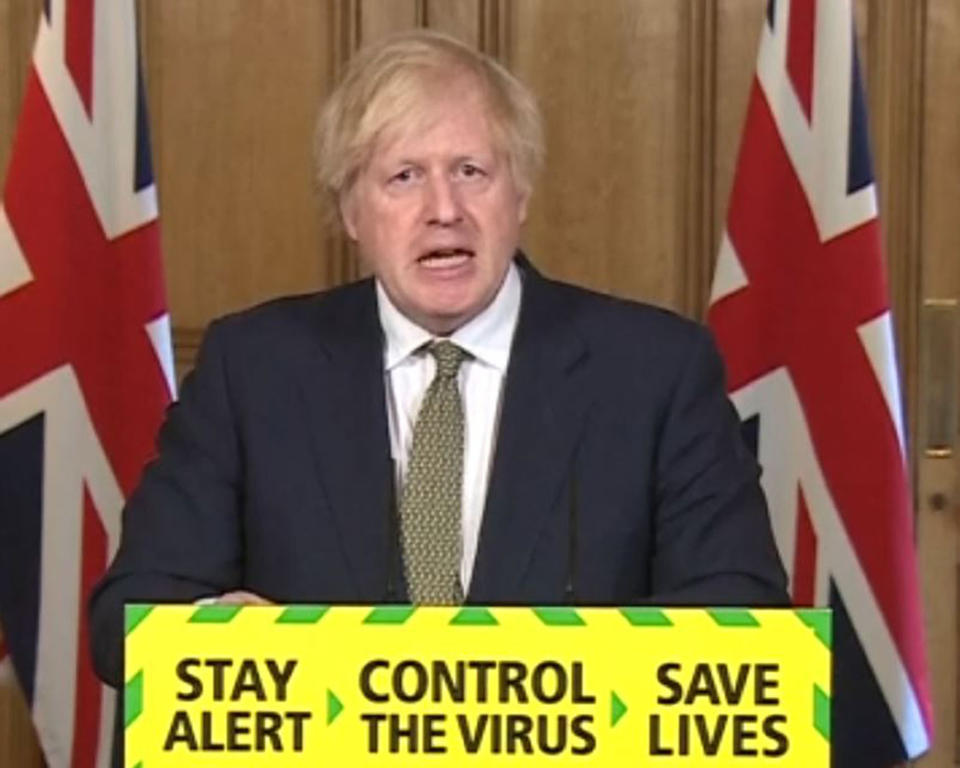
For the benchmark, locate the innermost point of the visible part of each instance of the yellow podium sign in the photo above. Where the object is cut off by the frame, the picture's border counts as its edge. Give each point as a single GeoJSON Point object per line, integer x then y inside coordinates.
{"type": "Point", "coordinates": [225, 687]}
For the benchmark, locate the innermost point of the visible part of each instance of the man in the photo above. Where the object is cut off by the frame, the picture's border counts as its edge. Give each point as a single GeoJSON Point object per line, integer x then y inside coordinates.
{"type": "Point", "coordinates": [548, 444]}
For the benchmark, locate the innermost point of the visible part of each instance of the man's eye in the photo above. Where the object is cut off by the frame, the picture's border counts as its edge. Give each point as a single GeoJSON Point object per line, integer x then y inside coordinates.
{"type": "Point", "coordinates": [403, 177]}
{"type": "Point", "coordinates": [471, 171]}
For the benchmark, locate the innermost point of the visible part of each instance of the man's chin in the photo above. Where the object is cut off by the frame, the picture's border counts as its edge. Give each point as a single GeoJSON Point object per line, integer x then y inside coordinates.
{"type": "Point", "coordinates": [445, 308]}
{"type": "Point", "coordinates": [443, 324]}
{"type": "Point", "coordinates": [444, 319]}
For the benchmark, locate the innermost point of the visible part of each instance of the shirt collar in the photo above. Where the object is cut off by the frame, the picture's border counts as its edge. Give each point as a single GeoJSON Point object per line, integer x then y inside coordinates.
{"type": "Point", "coordinates": [487, 337]}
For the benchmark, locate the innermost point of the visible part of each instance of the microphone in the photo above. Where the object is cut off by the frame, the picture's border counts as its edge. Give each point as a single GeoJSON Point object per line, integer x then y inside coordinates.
{"type": "Point", "coordinates": [393, 537]}
{"type": "Point", "coordinates": [570, 589]}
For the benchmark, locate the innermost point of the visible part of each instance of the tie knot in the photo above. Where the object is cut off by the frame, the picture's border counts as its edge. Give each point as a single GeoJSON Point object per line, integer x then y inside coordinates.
{"type": "Point", "coordinates": [448, 356]}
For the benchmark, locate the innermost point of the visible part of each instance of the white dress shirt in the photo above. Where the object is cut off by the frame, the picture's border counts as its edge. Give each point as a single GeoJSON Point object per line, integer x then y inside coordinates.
{"type": "Point", "coordinates": [408, 371]}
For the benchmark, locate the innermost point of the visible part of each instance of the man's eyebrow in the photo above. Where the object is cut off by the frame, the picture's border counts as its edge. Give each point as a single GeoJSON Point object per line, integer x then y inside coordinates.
{"type": "Point", "coordinates": [486, 158]}
{"type": "Point", "coordinates": [483, 157]}
{"type": "Point", "coordinates": [404, 160]}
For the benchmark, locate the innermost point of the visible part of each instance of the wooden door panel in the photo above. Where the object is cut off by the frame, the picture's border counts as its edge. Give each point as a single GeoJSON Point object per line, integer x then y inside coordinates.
{"type": "Point", "coordinates": [605, 211]}
{"type": "Point", "coordinates": [233, 89]}
{"type": "Point", "coordinates": [938, 252]}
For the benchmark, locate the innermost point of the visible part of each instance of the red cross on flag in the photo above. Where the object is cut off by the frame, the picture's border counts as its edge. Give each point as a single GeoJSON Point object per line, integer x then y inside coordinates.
{"type": "Point", "coordinates": [87, 368]}
{"type": "Point", "coordinates": [800, 310]}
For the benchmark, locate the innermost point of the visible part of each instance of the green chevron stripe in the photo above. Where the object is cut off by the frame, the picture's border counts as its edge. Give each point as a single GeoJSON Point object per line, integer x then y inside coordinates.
{"type": "Point", "coordinates": [646, 617]}
{"type": "Point", "coordinates": [334, 706]}
{"type": "Point", "coordinates": [733, 617]}
{"type": "Point", "coordinates": [390, 614]}
{"type": "Point", "coordinates": [820, 621]}
{"type": "Point", "coordinates": [133, 699]}
{"type": "Point", "coordinates": [617, 708]}
{"type": "Point", "coordinates": [474, 617]}
{"type": "Point", "coordinates": [302, 614]}
{"type": "Point", "coordinates": [559, 617]}
{"type": "Point", "coordinates": [821, 712]}
{"type": "Point", "coordinates": [133, 615]}
{"type": "Point", "coordinates": [139, 765]}
{"type": "Point", "coordinates": [214, 614]}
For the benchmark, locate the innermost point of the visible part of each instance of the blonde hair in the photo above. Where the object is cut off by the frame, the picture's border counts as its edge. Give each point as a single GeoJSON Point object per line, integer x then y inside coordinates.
{"type": "Point", "coordinates": [387, 84]}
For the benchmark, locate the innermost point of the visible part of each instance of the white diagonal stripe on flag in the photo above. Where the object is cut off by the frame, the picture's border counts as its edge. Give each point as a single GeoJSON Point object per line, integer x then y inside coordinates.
{"type": "Point", "coordinates": [73, 460]}
{"type": "Point", "coordinates": [877, 339]}
{"type": "Point", "coordinates": [14, 270]}
{"type": "Point", "coordinates": [159, 332]}
{"type": "Point", "coordinates": [104, 146]}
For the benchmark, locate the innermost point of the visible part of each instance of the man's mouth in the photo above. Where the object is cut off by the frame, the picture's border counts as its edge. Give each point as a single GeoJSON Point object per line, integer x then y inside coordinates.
{"type": "Point", "coordinates": [445, 258]}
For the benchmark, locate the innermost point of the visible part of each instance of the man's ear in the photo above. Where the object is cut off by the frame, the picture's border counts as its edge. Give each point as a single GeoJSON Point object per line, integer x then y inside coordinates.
{"type": "Point", "coordinates": [522, 200]}
{"type": "Point", "coordinates": [348, 214]}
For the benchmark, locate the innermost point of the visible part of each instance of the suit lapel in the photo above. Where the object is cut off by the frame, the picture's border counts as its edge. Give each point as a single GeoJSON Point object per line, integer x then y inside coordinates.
{"type": "Point", "coordinates": [343, 392]}
{"type": "Point", "coordinates": [545, 400]}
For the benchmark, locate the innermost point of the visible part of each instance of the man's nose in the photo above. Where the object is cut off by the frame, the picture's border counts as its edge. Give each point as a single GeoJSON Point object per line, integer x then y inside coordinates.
{"type": "Point", "coordinates": [442, 201]}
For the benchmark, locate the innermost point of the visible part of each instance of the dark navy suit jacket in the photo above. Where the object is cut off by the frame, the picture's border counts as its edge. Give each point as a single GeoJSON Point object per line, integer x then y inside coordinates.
{"type": "Point", "coordinates": [619, 476]}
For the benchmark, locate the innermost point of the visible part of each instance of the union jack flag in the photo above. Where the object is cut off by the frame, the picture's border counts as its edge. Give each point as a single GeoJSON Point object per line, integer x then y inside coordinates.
{"type": "Point", "coordinates": [86, 364]}
{"type": "Point", "coordinates": [800, 310]}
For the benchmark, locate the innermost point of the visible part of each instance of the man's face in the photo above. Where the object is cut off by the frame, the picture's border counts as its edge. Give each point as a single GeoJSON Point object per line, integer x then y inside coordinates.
{"type": "Point", "coordinates": [437, 214]}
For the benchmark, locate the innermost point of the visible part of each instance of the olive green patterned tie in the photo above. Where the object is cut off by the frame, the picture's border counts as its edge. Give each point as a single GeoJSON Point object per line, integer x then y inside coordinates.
{"type": "Point", "coordinates": [430, 504]}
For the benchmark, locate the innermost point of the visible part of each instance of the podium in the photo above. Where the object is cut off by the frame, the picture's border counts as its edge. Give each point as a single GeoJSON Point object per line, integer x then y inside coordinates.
{"type": "Point", "coordinates": [313, 685]}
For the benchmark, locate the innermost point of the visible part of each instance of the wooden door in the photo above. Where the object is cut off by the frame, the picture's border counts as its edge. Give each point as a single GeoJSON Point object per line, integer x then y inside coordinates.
{"type": "Point", "coordinates": [935, 251]}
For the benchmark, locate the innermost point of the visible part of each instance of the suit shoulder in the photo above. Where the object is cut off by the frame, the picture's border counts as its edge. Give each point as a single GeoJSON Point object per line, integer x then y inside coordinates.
{"type": "Point", "coordinates": [607, 320]}
{"type": "Point", "coordinates": [295, 316]}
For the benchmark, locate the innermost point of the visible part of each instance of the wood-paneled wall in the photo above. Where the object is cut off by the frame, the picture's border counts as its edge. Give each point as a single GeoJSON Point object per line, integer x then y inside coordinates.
{"type": "Point", "coordinates": [643, 100]}
{"type": "Point", "coordinates": [932, 267]}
